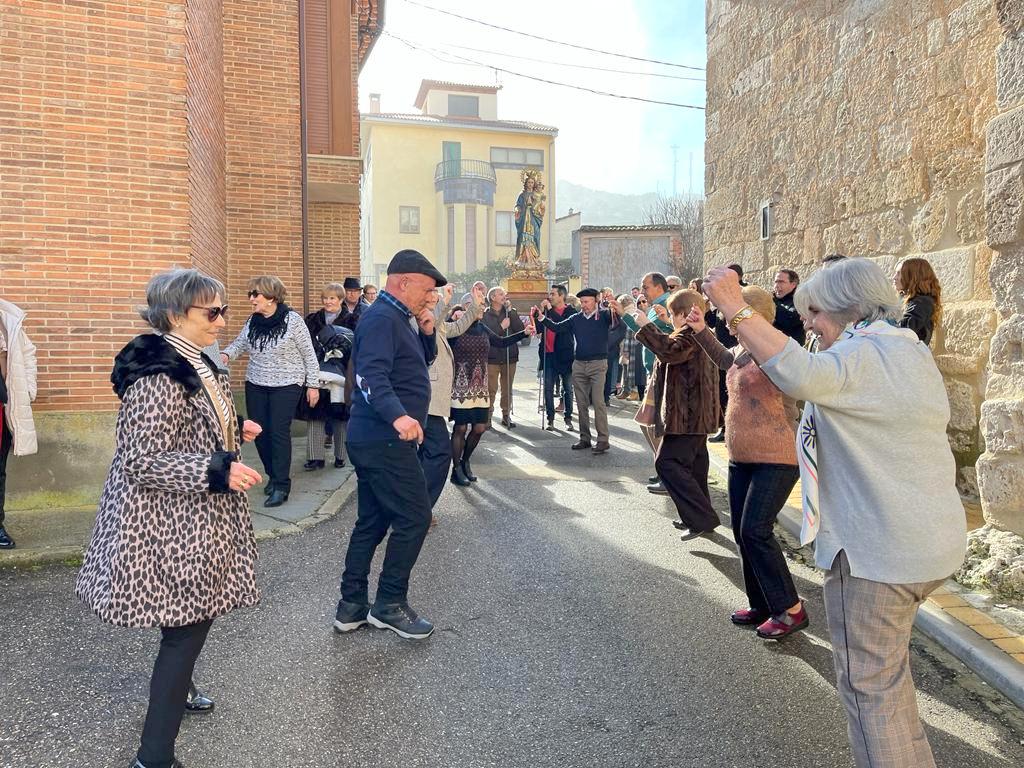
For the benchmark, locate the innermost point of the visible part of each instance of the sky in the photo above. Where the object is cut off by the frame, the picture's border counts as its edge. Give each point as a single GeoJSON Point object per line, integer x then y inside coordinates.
{"type": "Point", "coordinates": [604, 143]}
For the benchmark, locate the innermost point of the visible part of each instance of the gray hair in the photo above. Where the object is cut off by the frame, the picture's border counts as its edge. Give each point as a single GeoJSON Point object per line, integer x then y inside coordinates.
{"type": "Point", "coordinates": [171, 293]}
{"type": "Point", "coordinates": [491, 293]}
{"type": "Point", "coordinates": [850, 290]}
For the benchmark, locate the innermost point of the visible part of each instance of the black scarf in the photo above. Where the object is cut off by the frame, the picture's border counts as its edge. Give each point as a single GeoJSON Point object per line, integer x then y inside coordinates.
{"type": "Point", "coordinates": [267, 331]}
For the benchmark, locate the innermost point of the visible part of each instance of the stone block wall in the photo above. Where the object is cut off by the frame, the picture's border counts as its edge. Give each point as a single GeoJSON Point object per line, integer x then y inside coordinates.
{"type": "Point", "coordinates": [866, 127]}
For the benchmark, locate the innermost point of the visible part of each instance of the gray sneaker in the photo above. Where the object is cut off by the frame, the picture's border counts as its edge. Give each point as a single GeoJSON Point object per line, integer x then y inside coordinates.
{"type": "Point", "coordinates": [350, 616]}
{"type": "Point", "coordinates": [400, 619]}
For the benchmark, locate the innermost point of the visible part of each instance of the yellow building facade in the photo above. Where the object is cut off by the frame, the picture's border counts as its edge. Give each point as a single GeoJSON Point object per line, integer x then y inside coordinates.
{"type": "Point", "coordinates": [444, 181]}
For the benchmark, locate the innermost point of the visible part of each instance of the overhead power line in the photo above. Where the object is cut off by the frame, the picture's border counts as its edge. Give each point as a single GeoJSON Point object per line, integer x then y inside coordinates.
{"type": "Point", "coordinates": [550, 40]}
{"type": "Point", "coordinates": [568, 64]}
{"type": "Point", "coordinates": [431, 52]}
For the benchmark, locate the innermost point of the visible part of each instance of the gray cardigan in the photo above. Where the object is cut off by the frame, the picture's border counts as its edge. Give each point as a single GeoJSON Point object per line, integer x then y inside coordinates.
{"type": "Point", "coordinates": [886, 474]}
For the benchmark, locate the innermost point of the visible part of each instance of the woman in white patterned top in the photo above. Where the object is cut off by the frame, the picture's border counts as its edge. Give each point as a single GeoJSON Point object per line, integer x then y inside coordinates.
{"type": "Point", "coordinates": [282, 367]}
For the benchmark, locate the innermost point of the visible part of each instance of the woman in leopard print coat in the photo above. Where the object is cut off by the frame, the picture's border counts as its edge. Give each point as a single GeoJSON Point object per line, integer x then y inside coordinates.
{"type": "Point", "coordinates": [173, 545]}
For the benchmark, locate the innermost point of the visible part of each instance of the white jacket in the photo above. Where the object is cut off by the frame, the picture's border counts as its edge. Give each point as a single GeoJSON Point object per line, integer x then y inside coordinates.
{"type": "Point", "coordinates": [21, 379]}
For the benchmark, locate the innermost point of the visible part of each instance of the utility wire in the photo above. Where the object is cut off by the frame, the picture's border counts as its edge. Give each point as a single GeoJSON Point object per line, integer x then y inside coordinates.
{"type": "Point", "coordinates": [549, 40]}
{"type": "Point", "coordinates": [541, 79]}
{"type": "Point", "coordinates": [568, 64]}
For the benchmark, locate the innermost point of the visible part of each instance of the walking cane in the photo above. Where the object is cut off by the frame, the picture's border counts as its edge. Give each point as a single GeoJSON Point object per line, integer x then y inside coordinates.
{"type": "Point", "coordinates": [505, 379]}
{"type": "Point", "coordinates": [541, 372]}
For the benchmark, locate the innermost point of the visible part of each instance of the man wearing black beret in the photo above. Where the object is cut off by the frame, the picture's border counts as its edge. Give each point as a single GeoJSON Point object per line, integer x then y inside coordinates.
{"type": "Point", "coordinates": [590, 326]}
{"type": "Point", "coordinates": [389, 408]}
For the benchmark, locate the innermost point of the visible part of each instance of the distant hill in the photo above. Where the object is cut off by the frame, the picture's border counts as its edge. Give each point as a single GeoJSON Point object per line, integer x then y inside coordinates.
{"type": "Point", "coordinates": [600, 207]}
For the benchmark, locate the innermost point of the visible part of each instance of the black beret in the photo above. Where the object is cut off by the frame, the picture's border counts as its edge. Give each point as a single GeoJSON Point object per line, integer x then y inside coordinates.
{"type": "Point", "coordinates": [591, 292]}
{"type": "Point", "coordinates": [352, 284]}
{"type": "Point", "coordinates": [410, 262]}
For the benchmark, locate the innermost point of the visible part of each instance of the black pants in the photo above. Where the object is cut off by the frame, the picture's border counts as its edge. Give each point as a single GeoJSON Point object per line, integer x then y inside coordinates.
{"type": "Point", "coordinates": [551, 375]}
{"type": "Point", "coordinates": [168, 688]}
{"type": "Point", "coordinates": [723, 398]}
{"type": "Point", "coordinates": [392, 494]}
{"type": "Point", "coordinates": [273, 409]}
{"type": "Point", "coordinates": [682, 464]}
{"type": "Point", "coordinates": [757, 493]}
{"type": "Point", "coordinates": [435, 456]}
{"type": "Point", "coordinates": [611, 379]}
{"type": "Point", "coordinates": [5, 449]}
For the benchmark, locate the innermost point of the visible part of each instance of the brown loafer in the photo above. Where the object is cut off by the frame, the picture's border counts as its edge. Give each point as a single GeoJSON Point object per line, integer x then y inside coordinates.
{"type": "Point", "coordinates": [602, 446]}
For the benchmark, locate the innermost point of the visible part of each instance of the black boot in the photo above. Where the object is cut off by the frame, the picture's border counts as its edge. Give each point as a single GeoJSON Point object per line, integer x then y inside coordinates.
{"type": "Point", "coordinates": [313, 464]}
{"type": "Point", "coordinates": [276, 498]}
{"type": "Point", "coordinates": [467, 470]}
{"type": "Point", "coordinates": [197, 701]}
{"type": "Point", "coordinates": [458, 476]}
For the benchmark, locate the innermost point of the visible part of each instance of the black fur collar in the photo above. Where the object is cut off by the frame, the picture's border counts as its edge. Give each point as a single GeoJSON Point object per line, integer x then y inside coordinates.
{"type": "Point", "coordinates": [149, 355]}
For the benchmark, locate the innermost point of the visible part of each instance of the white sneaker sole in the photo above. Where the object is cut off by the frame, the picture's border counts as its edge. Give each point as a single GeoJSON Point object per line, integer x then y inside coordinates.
{"type": "Point", "coordinates": [374, 621]}
{"type": "Point", "coordinates": [340, 626]}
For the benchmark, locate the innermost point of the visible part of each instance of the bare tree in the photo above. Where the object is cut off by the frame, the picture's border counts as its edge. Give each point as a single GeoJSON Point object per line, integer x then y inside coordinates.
{"type": "Point", "coordinates": [686, 216]}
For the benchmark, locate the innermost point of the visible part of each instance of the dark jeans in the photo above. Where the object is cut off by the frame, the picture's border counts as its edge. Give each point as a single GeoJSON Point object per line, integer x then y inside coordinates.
{"type": "Point", "coordinates": [168, 688]}
{"type": "Point", "coordinates": [435, 456]}
{"type": "Point", "coordinates": [5, 449]}
{"type": "Point", "coordinates": [392, 494]}
{"type": "Point", "coordinates": [612, 377]}
{"type": "Point", "coordinates": [273, 408]}
{"type": "Point", "coordinates": [565, 380]}
{"type": "Point", "coordinates": [757, 493]}
{"type": "Point", "coordinates": [682, 464]}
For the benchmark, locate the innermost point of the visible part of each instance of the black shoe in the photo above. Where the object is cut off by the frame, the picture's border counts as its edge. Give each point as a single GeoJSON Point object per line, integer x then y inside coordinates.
{"type": "Point", "coordinates": [6, 542]}
{"type": "Point", "coordinates": [400, 619]}
{"type": "Point", "coordinates": [601, 447]}
{"type": "Point", "coordinates": [657, 489]}
{"type": "Point", "coordinates": [339, 463]}
{"type": "Point", "coordinates": [312, 464]}
{"type": "Point", "coordinates": [197, 702]}
{"type": "Point", "coordinates": [653, 479]}
{"type": "Point", "coordinates": [349, 616]}
{"type": "Point", "coordinates": [568, 425]}
{"type": "Point", "coordinates": [551, 425]}
{"type": "Point", "coordinates": [268, 489]}
{"type": "Point", "coordinates": [680, 525]}
{"type": "Point", "coordinates": [276, 499]}
{"type": "Point", "coordinates": [459, 477]}
{"type": "Point", "coordinates": [175, 763]}
{"type": "Point", "coordinates": [689, 533]}
{"type": "Point", "coordinates": [468, 471]}
{"type": "Point", "coordinates": [718, 437]}
{"type": "Point", "coordinates": [582, 445]}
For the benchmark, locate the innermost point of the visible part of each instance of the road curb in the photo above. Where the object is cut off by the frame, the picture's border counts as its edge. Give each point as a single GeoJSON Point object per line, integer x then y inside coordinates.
{"type": "Point", "coordinates": [72, 556]}
{"type": "Point", "coordinates": [994, 667]}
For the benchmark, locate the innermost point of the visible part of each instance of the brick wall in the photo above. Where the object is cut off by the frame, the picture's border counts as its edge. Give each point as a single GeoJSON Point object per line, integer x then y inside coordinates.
{"type": "Point", "coordinates": [93, 193]}
{"type": "Point", "coordinates": [204, 88]}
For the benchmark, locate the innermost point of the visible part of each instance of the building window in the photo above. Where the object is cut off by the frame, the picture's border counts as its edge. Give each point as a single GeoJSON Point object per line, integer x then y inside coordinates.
{"type": "Point", "coordinates": [463, 106]}
{"type": "Point", "coordinates": [766, 220]}
{"type": "Point", "coordinates": [409, 219]}
{"type": "Point", "coordinates": [505, 222]}
{"type": "Point", "coordinates": [510, 157]}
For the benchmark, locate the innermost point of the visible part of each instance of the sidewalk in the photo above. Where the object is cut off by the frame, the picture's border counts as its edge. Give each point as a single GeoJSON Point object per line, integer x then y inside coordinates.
{"type": "Point", "coordinates": [987, 637]}
{"type": "Point", "coordinates": [58, 535]}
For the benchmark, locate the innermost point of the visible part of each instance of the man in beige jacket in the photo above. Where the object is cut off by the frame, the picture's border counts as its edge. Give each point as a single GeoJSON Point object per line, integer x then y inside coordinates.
{"type": "Point", "coordinates": [17, 391]}
{"type": "Point", "coordinates": [435, 452]}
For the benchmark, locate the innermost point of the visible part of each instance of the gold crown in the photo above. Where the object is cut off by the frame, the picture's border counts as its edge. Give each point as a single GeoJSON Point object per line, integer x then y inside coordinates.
{"type": "Point", "coordinates": [530, 173]}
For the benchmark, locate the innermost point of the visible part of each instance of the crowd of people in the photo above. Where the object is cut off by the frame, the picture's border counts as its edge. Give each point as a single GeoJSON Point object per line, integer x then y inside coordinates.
{"type": "Point", "coordinates": [381, 376]}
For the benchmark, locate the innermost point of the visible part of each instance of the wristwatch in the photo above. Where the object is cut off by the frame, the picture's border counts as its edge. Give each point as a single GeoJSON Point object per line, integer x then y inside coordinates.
{"type": "Point", "coordinates": [744, 314]}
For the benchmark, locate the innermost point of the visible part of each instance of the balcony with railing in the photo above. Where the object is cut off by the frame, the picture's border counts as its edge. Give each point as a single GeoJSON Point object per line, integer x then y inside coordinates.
{"type": "Point", "coordinates": [471, 182]}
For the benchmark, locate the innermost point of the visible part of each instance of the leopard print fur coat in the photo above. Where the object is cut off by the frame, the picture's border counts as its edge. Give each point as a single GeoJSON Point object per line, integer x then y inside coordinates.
{"type": "Point", "coordinates": [172, 544]}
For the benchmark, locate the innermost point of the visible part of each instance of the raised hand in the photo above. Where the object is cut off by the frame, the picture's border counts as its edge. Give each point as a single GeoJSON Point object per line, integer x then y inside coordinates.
{"type": "Point", "coordinates": [695, 319]}
{"type": "Point", "coordinates": [479, 292]}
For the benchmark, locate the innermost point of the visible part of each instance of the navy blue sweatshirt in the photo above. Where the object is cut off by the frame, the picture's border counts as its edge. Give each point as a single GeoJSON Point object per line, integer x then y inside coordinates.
{"type": "Point", "coordinates": [390, 364]}
{"type": "Point", "coordinates": [591, 333]}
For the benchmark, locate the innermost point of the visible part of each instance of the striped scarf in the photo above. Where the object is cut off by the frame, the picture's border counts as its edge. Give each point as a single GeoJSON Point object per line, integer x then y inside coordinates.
{"type": "Point", "coordinates": [807, 435]}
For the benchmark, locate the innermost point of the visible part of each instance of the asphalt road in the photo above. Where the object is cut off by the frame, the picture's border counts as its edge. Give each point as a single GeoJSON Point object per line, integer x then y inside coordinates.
{"type": "Point", "coordinates": [574, 629]}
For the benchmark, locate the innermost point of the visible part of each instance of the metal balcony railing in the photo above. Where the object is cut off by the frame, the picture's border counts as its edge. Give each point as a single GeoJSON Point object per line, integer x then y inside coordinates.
{"type": "Point", "coordinates": [464, 169]}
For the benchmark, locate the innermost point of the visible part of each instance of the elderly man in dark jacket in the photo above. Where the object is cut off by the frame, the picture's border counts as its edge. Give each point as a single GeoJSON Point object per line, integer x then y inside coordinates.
{"type": "Point", "coordinates": [557, 353]}
{"type": "Point", "coordinates": [787, 319]}
{"type": "Point", "coordinates": [501, 320]}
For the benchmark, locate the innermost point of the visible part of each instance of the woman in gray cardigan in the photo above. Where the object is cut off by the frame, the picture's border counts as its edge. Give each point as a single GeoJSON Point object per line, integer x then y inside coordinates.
{"type": "Point", "coordinates": [877, 478]}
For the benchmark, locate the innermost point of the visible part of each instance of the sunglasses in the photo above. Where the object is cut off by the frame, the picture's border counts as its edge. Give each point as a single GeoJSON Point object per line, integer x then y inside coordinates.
{"type": "Point", "coordinates": [254, 294]}
{"type": "Point", "coordinates": [641, 301]}
{"type": "Point", "coordinates": [212, 313]}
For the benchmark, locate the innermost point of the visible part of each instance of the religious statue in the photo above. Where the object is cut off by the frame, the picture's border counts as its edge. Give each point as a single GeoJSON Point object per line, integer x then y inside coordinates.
{"type": "Point", "coordinates": [529, 214]}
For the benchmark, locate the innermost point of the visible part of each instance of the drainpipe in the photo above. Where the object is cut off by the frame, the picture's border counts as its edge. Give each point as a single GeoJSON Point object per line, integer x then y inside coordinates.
{"type": "Point", "coordinates": [303, 149]}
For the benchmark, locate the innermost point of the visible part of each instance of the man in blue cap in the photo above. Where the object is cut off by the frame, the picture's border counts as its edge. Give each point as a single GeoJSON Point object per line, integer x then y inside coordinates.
{"type": "Point", "coordinates": [394, 344]}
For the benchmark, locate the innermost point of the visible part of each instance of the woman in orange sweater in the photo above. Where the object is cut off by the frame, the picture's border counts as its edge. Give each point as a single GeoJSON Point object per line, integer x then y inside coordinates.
{"type": "Point", "coordinates": [761, 439]}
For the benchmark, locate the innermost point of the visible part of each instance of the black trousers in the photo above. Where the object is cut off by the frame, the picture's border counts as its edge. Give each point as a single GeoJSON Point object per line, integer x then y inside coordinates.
{"type": "Point", "coordinates": [682, 464]}
{"type": "Point", "coordinates": [757, 493]}
{"type": "Point", "coordinates": [565, 379]}
{"type": "Point", "coordinates": [435, 456]}
{"type": "Point", "coordinates": [392, 494]}
{"type": "Point", "coordinates": [723, 397]}
{"type": "Point", "coordinates": [273, 408]}
{"type": "Point", "coordinates": [5, 449]}
{"type": "Point", "coordinates": [168, 688]}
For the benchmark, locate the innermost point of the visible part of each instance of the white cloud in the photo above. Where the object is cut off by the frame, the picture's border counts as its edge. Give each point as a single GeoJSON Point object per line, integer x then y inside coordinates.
{"type": "Point", "coordinates": [603, 143]}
